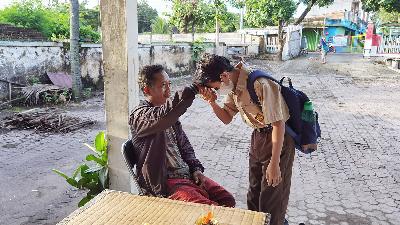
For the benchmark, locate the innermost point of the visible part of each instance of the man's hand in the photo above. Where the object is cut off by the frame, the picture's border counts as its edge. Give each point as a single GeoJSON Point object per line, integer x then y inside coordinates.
{"type": "Point", "coordinates": [208, 94]}
{"type": "Point", "coordinates": [273, 174]}
{"type": "Point", "coordinates": [198, 177]}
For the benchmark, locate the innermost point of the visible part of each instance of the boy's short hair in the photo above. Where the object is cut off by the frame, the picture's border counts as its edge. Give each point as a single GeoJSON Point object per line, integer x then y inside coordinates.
{"type": "Point", "coordinates": [147, 75]}
{"type": "Point", "coordinates": [210, 67]}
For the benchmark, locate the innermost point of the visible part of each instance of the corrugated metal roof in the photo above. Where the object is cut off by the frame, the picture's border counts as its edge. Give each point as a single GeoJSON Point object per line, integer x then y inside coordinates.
{"type": "Point", "coordinates": [61, 79]}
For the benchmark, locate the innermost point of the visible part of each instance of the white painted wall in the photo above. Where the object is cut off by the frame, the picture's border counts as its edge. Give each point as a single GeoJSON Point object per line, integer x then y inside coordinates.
{"type": "Point", "coordinates": [293, 43]}
{"type": "Point", "coordinates": [21, 60]}
{"type": "Point", "coordinates": [228, 38]}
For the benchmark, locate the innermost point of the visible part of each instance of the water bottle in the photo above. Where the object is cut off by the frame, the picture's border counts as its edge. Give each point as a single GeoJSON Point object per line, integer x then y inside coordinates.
{"type": "Point", "coordinates": [308, 114]}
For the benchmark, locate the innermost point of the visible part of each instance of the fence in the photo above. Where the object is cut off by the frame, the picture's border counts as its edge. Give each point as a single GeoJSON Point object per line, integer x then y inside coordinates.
{"type": "Point", "coordinates": [390, 44]}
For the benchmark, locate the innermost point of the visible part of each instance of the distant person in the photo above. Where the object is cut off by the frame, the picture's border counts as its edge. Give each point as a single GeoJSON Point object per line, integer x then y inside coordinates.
{"type": "Point", "coordinates": [324, 49]}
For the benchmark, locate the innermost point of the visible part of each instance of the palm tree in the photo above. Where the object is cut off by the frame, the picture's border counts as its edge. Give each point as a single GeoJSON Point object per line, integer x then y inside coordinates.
{"type": "Point", "coordinates": [160, 26]}
{"type": "Point", "coordinates": [74, 50]}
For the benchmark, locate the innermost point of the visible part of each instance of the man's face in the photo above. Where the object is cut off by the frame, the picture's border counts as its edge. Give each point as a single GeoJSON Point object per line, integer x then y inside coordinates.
{"type": "Point", "coordinates": [217, 84]}
{"type": "Point", "coordinates": [160, 90]}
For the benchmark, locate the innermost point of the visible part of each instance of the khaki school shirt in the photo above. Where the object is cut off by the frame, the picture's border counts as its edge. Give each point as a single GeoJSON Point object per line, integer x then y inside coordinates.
{"type": "Point", "coordinates": [274, 107]}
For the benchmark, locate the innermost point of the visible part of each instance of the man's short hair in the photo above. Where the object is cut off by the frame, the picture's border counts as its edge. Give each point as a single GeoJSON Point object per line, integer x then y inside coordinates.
{"type": "Point", "coordinates": [210, 67]}
{"type": "Point", "coordinates": [147, 75]}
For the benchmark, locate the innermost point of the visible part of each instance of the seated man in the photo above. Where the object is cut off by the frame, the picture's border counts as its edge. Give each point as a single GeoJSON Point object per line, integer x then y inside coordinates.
{"type": "Point", "coordinates": [167, 165]}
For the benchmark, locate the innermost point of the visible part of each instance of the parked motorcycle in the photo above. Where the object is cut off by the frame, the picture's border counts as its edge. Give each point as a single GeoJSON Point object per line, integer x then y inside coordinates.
{"type": "Point", "coordinates": [331, 48]}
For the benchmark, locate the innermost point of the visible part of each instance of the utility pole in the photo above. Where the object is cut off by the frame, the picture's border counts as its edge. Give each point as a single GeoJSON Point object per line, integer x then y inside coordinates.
{"type": "Point", "coordinates": [241, 18]}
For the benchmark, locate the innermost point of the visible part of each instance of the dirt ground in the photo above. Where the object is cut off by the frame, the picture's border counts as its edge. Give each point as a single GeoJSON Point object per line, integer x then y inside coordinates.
{"type": "Point", "coordinates": [349, 91]}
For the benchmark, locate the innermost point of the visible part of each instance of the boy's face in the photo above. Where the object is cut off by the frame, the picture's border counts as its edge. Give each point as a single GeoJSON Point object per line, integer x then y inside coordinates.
{"type": "Point", "coordinates": [160, 90]}
{"type": "Point", "coordinates": [217, 84]}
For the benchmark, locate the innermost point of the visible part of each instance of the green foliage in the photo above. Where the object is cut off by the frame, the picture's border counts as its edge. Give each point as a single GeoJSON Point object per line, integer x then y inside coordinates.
{"type": "Point", "coordinates": [261, 13]}
{"type": "Point", "coordinates": [87, 93]}
{"type": "Point", "coordinates": [160, 26]}
{"type": "Point", "coordinates": [146, 14]}
{"type": "Point", "coordinates": [33, 80]}
{"type": "Point", "coordinates": [187, 13]}
{"type": "Point", "coordinates": [309, 4]}
{"type": "Point", "coordinates": [56, 97]}
{"type": "Point", "coordinates": [198, 48]}
{"type": "Point", "coordinates": [237, 3]}
{"type": "Point", "coordinates": [387, 17]}
{"type": "Point", "coordinates": [52, 21]}
{"type": "Point", "coordinates": [29, 14]}
{"type": "Point", "coordinates": [94, 178]}
{"type": "Point", "coordinates": [229, 22]}
{"type": "Point", "coordinates": [320, 3]}
{"type": "Point", "coordinates": [200, 15]}
{"type": "Point", "coordinates": [387, 5]}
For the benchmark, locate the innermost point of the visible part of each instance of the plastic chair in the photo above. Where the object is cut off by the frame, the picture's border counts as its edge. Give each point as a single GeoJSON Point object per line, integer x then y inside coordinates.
{"type": "Point", "coordinates": [131, 157]}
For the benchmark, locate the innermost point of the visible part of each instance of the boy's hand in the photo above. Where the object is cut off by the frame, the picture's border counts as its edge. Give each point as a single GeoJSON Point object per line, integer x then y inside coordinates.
{"type": "Point", "coordinates": [208, 94]}
{"type": "Point", "coordinates": [273, 174]}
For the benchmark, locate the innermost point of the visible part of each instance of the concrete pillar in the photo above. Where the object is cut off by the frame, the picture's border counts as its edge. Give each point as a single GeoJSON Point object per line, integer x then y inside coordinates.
{"type": "Point", "coordinates": [120, 57]}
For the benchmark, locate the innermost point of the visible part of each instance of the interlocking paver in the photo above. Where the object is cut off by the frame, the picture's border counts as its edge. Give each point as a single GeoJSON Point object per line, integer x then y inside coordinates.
{"type": "Point", "coordinates": [352, 179]}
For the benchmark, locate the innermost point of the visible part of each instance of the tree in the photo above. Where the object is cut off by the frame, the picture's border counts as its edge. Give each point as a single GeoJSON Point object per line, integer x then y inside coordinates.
{"type": "Point", "coordinates": [186, 13]}
{"type": "Point", "coordinates": [160, 26]}
{"type": "Point", "coordinates": [310, 4]}
{"type": "Point", "coordinates": [146, 14]}
{"type": "Point", "coordinates": [52, 21]}
{"type": "Point", "coordinates": [200, 15]}
{"type": "Point", "coordinates": [386, 17]}
{"type": "Point", "coordinates": [240, 4]}
{"type": "Point", "coordinates": [74, 50]}
{"type": "Point", "coordinates": [375, 5]}
{"type": "Point", "coordinates": [262, 13]}
{"type": "Point", "coordinates": [29, 14]}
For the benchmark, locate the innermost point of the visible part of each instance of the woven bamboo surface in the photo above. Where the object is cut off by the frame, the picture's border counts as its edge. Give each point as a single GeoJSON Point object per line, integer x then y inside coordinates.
{"type": "Point", "coordinates": [121, 208]}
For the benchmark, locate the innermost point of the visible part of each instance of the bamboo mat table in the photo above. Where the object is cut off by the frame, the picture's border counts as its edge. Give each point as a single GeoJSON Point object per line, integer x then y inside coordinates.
{"type": "Point", "coordinates": [121, 208]}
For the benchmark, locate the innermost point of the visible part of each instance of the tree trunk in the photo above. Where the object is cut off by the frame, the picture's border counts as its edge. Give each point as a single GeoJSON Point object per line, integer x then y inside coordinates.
{"type": "Point", "coordinates": [74, 51]}
{"type": "Point", "coordinates": [305, 12]}
{"type": "Point", "coordinates": [216, 32]}
{"type": "Point", "coordinates": [193, 31]}
{"type": "Point", "coordinates": [186, 25]}
{"type": "Point", "coordinates": [281, 39]}
{"type": "Point", "coordinates": [241, 18]}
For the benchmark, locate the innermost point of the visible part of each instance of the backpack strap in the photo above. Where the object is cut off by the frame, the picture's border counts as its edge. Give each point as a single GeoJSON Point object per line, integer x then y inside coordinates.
{"type": "Point", "coordinates": [253, 76]}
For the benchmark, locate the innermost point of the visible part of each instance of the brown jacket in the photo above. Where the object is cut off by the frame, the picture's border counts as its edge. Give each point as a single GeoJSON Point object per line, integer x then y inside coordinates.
{"type": "Point", "coordinates": [148, 124]}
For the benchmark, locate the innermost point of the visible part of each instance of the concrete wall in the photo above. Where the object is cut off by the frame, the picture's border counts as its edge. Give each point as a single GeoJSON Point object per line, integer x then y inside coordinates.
{"type": "Point", "coordinates": [20, 61]}
{"type": "Point", "coordinates": [293, 43]}
{"type": "Point", "coordinates": [228, 38]}
{"type": "Point", "coordinates": [292, 46]}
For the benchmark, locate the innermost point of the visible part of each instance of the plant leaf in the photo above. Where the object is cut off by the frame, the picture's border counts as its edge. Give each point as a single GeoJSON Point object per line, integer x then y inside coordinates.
{"type": "Point", "coordinates": [91, 147]}
{"type": "Point", "coordinates": [98, 160]}
{"type": "Point", "coordinates": [94, 169]}
{"type": "Point", "coordinates": [100, 142]}
{"type": "Point", "coordinates": [85, 200]}
{"type": "Point", "coordinates": [84, 167]}
{"type": "Point", "coordinates": [103, 176]}
{"type": "Point", "coordinates": [83, 181]}
{"type": "Point", "coordinates": [73, 182]}
{"type": "Point", "coordinates": [60, 173]}
{"type": "Point", "coordinates": [76, 172]}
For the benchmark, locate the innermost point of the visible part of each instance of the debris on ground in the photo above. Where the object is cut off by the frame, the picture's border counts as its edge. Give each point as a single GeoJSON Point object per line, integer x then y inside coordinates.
{"type": "Point", "coordinates": [45, 120]}
{"type": "Point", "coordinates": [46, 93]}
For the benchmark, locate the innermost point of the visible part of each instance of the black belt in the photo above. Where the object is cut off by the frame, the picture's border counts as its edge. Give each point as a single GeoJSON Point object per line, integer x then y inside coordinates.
{"type": "Point", "coordinates": [266, 129]}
